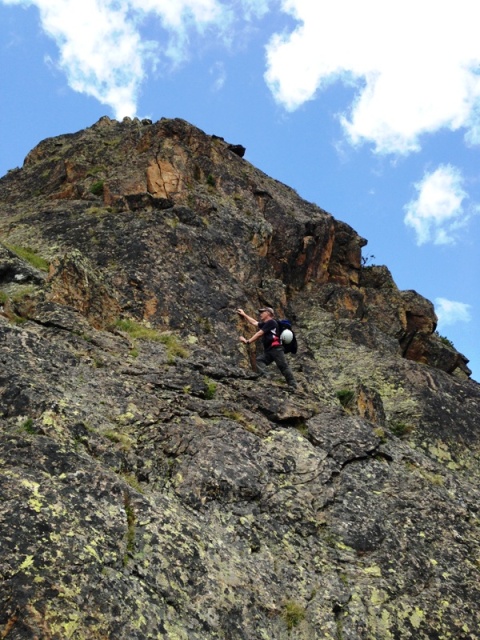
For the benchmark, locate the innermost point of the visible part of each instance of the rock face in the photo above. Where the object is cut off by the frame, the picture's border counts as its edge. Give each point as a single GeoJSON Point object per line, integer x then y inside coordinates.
{"type": "Point", "coordinates": [151, 485]}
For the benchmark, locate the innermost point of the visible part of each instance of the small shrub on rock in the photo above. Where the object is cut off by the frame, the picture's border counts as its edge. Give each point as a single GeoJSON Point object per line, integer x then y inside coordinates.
{"type": "Point", "coordinates": [97, 188]}
{"type": "Point", "coordinates": [345, 396]}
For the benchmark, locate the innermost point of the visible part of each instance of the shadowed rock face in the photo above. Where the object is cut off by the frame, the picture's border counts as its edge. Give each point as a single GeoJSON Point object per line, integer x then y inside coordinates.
{"type": "Point", "coordinates": [151, 485]}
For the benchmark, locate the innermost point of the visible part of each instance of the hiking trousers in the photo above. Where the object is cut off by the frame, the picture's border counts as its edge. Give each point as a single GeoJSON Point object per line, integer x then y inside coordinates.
{"type": "Point", "coordinates": [276, 355]}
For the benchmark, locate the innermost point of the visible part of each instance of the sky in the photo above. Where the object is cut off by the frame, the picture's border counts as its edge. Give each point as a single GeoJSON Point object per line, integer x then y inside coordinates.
{"type": "Point", "coordinates": [369, 109]}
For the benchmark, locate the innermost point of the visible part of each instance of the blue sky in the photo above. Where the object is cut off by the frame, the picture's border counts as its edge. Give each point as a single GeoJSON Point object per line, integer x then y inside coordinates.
{"type": "Point", "coordinates": [370, 109]}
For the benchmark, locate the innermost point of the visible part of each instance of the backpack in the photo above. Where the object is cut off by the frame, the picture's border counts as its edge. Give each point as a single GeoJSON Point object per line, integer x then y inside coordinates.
{"type": "Point", "coordinates": [292, 346]}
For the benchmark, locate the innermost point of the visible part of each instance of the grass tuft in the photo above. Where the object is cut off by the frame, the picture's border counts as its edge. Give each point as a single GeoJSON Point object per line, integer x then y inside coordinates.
{"type": "Point", "coordinates": [141, 332]}
{"type": "Point", "coordinates": [444, 340]}
{"type": "Point", "coordinates": [137, 330]}
{"type": "Point", "coordinates": [30, 255]}
{"type": "Point", "coordinates": [400, 428]}
{"type": "Point", "coordinates": [293, 614]}
{"type": "Point", "coordinates": [210, 388]}
{"type": "Point", "coordinates": [28, 426]}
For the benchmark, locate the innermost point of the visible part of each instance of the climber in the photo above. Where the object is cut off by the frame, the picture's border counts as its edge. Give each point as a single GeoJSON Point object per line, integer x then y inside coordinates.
{"type": "Point", "coordinates": [272, 346]}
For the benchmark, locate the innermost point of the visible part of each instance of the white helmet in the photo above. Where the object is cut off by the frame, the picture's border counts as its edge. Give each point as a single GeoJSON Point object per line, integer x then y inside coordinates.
{"type": "Point", "coordinates": [286, 336]}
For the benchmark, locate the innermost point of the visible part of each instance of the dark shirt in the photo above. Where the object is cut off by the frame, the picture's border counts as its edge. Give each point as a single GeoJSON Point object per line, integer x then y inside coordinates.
{"type": "Point", "coordinates": [270, 336]}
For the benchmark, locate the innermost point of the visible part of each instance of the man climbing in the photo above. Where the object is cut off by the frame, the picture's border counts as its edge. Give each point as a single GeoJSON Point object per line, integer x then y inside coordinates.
{"type": "Point", "coordinates": [272, 346]}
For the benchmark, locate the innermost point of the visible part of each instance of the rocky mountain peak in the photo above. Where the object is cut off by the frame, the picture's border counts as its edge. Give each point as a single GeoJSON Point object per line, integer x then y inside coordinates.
{"type": "Point", "coordinates": [152, 485]}
{"type": "Point", "coordinates": [183, 201]}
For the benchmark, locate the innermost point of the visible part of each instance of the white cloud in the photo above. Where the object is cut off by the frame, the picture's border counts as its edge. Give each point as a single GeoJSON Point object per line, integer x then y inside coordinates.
{"type": "Point", "coordinates": [104, 53]}
{"type": "Point", "coordinates": [101, 47]}
{"type": "Point", "coordinates": [415, 65]}
{"type": "Point", "coordinates": [174, 14]}
{"type": "Point", "coordinates": [437, 212]}
{"type": "Point", "coordinates": [255, 8]}
{"type": "Point", "coordinates": [100, 51]}
{"type": "Point", "coordinates": [450, 312]}
{"type": "Point", "coordinates": [219, 74]}
{"type": "Point", "coordinates": [180, 18]}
